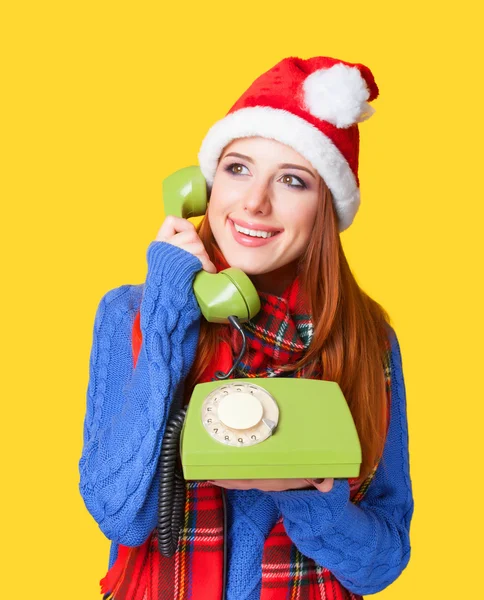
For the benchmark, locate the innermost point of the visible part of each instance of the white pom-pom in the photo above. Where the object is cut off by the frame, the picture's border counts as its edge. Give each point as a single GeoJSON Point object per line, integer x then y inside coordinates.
{"type": "Point", "coordinates": [338, 95]}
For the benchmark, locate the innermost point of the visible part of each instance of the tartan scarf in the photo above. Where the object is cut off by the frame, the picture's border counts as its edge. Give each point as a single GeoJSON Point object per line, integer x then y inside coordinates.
{"type": "Point", "coordinates": [278, 335]}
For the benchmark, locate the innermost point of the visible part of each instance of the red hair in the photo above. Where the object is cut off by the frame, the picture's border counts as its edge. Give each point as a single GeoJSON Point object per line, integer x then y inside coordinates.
{"type": "Point", "coordinates": [349, 330]}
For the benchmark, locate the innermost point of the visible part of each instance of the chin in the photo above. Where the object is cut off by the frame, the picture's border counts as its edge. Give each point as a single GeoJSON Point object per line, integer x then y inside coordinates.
{"type": "Point", "coordinates": [248, 269]}
{"type": "Point", "coordinates": [247, 265]}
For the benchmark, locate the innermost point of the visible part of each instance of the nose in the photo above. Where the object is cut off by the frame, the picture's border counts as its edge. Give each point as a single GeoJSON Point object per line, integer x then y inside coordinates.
{"type": "Point", "coordinates": [257, 200]}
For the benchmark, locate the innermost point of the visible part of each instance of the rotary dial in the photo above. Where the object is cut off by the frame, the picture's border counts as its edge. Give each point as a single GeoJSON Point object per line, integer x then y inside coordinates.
{"type": "Point", "coordinates": [240, 414]}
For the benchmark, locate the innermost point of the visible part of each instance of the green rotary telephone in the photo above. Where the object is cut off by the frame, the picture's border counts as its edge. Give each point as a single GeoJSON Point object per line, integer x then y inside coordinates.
{"type": "Point", "coordinates": [260, 428]}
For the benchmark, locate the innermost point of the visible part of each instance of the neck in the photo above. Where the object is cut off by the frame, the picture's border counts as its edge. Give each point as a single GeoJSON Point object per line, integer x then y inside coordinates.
{"type": "Point", "coordinates": [275, 282]}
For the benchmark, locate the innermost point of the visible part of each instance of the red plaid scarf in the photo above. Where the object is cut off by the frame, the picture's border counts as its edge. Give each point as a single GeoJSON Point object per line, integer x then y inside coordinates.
{"type": "Point", "coordinates": [277, 336]}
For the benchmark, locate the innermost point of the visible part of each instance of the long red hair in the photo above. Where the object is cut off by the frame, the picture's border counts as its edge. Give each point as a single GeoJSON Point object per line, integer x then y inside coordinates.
{"type": "Point", "coordinates": [349, 330]}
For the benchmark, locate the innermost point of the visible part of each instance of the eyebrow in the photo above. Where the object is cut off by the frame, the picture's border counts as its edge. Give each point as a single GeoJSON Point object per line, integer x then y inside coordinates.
{"type": "Point", "coordinates": [281, 166]}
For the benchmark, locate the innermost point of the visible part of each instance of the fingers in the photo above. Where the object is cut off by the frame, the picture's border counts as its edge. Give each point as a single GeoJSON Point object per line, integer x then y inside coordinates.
{"type": "Point", "coordinates": [198, 250]}
{"type": "Point", "coordinates": [183, 234]}
{"type": "Point", "coordinates": [173, 225]}
{"type": "Point", "coordinates": [323, 485]}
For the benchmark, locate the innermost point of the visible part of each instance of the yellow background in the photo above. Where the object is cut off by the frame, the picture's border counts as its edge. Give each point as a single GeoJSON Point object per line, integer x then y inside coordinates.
{"type": "Point", "coordinates": [102, 100]}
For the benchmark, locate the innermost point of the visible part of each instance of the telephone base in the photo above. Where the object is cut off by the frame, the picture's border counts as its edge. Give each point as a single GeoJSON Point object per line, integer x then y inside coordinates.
{"type": "Point", "coordinates": [315, 435]}
{"type": "Point", "coordinates": [202, 473]}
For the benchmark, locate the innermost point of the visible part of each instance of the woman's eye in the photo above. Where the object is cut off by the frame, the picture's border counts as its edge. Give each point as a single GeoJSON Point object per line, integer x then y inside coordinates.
{"type": "Point", "coordinates": [290, 180]}
{"type": "Point", "coordinates": [236, 169]}
{"type": "Point", "coordinates": [286, 179]}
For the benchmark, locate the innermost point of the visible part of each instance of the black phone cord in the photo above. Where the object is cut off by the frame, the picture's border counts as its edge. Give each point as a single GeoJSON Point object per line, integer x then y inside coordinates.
{"type": "Point", "coordinates": [171, 497]}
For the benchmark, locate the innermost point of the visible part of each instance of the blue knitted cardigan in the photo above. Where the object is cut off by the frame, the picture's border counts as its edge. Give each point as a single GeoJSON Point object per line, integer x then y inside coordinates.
{"type": "Point", "coordinates": [366, 547]}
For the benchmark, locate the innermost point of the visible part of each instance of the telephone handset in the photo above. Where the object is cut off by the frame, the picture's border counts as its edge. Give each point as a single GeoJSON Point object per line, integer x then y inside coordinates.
{"type": "Point", "coordinates": [245, 428]}
{"type": "Point", "coordinates": [220, 295]}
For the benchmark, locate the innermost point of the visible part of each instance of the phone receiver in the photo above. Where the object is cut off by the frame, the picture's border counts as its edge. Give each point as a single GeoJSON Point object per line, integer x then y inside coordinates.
{"type": "Point", "coordinates": [220, 295]}
{"type": "Point", "coordinates": [185, 193]}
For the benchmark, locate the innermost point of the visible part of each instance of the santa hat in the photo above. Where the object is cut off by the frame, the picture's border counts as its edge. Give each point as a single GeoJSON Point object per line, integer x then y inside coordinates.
{"type": "Point", "coordinates": [312, 105]}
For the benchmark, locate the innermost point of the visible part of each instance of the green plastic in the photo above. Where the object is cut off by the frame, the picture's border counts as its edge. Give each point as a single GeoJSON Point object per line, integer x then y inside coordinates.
{"type": "Point", "coordinates": [185, 193]}
{"type": "Point", "coordinates": [227, 293]}
{"type": "Point", "coordinates": [246, 289]}
{"type": "Point", "coordinates": [220, 295]}
{"type": "Point", "coordinates": [316, 436]}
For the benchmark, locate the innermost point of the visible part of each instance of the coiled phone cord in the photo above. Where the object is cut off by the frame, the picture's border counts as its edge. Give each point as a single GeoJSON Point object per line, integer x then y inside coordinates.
{"type": "Point", "coordinates": [171, 497]}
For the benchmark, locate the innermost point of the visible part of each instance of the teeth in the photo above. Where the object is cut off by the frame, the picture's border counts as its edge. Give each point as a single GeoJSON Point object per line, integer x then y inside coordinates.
{"type": "Point", "coordinates": [253, 233]}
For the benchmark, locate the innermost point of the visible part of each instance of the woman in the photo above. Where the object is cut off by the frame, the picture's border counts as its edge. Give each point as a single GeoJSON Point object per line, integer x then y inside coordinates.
{"type": "Point", "coordinates": [281, 167]}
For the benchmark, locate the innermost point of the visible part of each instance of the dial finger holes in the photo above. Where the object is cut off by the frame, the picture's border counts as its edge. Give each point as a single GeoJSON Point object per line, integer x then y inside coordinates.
{"type": "Point", "coordinates": [238, 414]}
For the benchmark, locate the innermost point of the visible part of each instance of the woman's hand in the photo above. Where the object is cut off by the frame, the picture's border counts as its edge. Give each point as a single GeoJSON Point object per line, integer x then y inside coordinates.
{"type": "Point", "coordinates": [182, 233]}
{"type": "Point", "coordinates": [275, 485]}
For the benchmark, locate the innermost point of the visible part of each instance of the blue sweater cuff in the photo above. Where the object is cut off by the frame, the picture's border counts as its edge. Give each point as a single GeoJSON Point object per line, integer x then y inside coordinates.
{"type": "Point", "coordinates": [174, 265]}
{"type": "Point", "coordinates": [313, 509]}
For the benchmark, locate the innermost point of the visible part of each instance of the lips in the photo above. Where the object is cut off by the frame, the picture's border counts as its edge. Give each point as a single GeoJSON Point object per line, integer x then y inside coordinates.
{"type": "Point", "coordinates": [255, 226]}
{"type": "Point", "coordinates": [251, 241]}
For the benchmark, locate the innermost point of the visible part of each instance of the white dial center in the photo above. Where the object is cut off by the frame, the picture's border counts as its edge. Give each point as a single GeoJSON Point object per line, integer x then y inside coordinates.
{"type": "Point", "coordinates": [240, 410]}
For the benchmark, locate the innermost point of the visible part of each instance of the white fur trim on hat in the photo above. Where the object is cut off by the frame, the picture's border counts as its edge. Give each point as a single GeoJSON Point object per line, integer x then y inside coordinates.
{"type": "Point", "coordinates": [338, 95]}
{"type": "Point", "coordinates": [289, 129]}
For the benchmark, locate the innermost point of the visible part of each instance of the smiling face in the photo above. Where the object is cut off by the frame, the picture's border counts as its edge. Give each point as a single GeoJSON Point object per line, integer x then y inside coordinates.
{"type": "Point", "coordinates": [263, 204]}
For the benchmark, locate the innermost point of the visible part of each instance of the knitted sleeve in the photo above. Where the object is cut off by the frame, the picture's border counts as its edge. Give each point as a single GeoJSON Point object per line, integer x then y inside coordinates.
{"type": "Point", "coordinates": [127, 408]}
{"type": "Point", "coordinates": [365, 546]}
